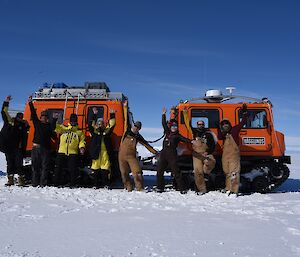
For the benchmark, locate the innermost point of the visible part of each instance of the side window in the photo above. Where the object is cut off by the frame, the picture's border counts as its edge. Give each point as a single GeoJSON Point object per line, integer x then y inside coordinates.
{"type": "Point", "coordinates": [210, 117]}
{"type": "Point", "coordinates": [60, 115]}
{"type": "Point", "coordinates": [256, 119]}
{"type": "Point", "coordinates": [90, 114]}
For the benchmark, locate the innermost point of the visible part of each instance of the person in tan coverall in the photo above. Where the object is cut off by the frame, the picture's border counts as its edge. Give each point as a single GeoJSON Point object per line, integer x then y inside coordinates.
{"type": "Point", "coordinates": [203, 147]}
{"type": "Point", "coordinates": [231, 162]}
{"type": "Point", "coordinates": [127, 153]}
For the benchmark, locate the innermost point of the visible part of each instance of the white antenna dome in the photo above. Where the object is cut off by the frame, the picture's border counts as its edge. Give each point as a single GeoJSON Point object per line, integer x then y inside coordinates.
{"type": "Point", "coordinates": [213, 93]}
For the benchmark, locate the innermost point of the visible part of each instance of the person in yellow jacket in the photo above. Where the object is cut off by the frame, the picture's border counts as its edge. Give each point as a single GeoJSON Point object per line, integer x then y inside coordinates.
{"type": "Point", "coordinates": [100, 148]}
{"type": "Point", "coordinates": [72, 143]}
{"type": "Point", "coordinates": [127, 153]}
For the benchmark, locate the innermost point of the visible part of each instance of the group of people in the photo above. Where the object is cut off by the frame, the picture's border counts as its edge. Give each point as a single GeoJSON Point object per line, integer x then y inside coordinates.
{"type": "Point", "coordinates": [203, 145]}
{"type": "Point", "coordinates": [14, 135]}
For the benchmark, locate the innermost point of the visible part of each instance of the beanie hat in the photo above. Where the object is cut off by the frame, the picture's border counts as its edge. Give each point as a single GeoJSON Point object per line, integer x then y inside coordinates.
{"type": "Point", "coordinates": [73, 117]}
{"type": "Point", "coordinates": [20, 115]}
{"type": "Point", "coordinates": [44, 113]}
{"type": "Point", "coordinates": [225, 120]}
{"type": "Point", "coordinates": [138, 124]}
{"type": "Point", "coordinates": [173, 122]}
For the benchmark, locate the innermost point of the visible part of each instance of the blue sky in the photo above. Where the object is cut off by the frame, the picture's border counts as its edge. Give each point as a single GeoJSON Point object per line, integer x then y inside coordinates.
{"type": "Point", "coordinates": [156, 52]}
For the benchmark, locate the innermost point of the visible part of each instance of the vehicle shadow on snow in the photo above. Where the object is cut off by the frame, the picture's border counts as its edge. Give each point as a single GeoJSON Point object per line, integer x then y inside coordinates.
{"type": "Point", "coordinates": [150, 180]}
{"type": "Point", "coordinates": [290, 185]}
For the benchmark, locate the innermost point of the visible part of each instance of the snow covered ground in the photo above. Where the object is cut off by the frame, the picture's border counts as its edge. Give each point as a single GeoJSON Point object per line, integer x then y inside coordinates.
{"type": "Point", "coordinates": [87, 222]}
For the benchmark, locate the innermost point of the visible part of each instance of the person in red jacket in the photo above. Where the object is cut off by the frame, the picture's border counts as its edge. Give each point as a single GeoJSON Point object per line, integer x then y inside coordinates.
{"type": "Point", "coordinates": [231, 153]}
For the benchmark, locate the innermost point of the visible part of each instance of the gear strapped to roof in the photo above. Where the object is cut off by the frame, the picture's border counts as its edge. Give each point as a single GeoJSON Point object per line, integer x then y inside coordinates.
{"type": "Point", "coordinates": [89, 91]}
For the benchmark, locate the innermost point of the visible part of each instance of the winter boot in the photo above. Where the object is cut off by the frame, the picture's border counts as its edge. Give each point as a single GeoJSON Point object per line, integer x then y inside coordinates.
{"type": "Point", "coordinates": [21, 180]}
{"type": "Point", "coordinates": [104, 178]}
{"type": "Point", "coordinates": [97, 179]}
{"type": "Point", "coordinates": [10, 180]}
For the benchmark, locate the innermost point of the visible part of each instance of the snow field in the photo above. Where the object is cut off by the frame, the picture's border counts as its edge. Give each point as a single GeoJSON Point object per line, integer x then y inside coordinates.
{"type": "Point", "coordinates": [86, 222]}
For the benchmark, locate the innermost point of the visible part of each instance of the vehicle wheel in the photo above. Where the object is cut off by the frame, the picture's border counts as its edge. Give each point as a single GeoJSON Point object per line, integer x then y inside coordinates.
{"type": "Point", "coordinates": [260, 184]}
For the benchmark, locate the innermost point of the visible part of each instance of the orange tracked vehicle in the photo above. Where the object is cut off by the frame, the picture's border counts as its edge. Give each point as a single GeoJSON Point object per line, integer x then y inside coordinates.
{"type": "Point", "coordinates": [263, 158]}
{"type": "Point", "coordinates": [65, 100]}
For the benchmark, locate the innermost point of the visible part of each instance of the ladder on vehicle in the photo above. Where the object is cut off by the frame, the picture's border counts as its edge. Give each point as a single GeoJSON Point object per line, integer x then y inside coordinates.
{"type": "Point", "coordinates": [75, 101]}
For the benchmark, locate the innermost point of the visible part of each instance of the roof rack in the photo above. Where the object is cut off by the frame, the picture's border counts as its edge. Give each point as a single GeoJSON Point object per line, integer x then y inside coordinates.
{"type": "Point", "coordinates": [216, 96]}
{"type": "Point", "coordinates": [91, 90]}
{"type": "Point", "coordinates": [223, 98]}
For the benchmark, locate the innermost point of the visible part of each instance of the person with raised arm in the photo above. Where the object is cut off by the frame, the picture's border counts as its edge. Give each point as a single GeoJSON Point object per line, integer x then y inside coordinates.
{"type": "Point", "coordinates": [231, 159]}
{"type": "Point", "coordinates": [168, 155]}
{"type": "Point", "coordinates": [41, 146]}
{"type": "Point", "coordinates": [13, 142]}
{"type": "Point", "coordinates": [203, 147]}
{"type": "Point", "coordinates": [127, 152]}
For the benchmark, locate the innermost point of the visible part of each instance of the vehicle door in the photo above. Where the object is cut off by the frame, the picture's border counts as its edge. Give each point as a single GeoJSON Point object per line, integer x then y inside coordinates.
{"type": "Point", "coordinates": [255, 135]}
{"type": "Point", "coordinates": [90, 117]}
{"type": "Point", "coordinates": [210, 116]}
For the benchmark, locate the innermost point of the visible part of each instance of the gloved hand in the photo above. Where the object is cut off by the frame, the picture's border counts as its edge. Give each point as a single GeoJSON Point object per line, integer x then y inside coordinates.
{"type": "Point", "coordinates": [244, 108]}
{"type": "Point", "coordinates": [82, 150]}
{"type": "Point", "coordinates": [8, 98]}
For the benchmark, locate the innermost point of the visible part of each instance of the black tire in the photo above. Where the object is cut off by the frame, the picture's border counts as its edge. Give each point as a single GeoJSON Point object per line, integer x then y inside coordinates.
{"type": "Point", "coordinates": [260, 184]}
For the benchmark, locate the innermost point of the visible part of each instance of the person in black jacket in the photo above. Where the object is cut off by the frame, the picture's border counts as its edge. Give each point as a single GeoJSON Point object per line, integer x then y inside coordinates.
{"type": "Point", "coordinates": [14, 136]}
{"type": "Point", "coordinates": [168, 155]}
{"type": "Point", "coordinates": [41, 147]}
{"type": "Point", "coordinates": [100, 147]}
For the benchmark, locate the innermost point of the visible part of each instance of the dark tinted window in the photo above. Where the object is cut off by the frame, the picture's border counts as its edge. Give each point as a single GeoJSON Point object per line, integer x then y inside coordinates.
{"type": "Point", "coordinates": [90, 115]}
{"type": "Point", "coordinates": [60, 115]}
{"type": "Point", "coordinates": [256, 119]}
{"type": "Point", "coordinates": [210, 117]}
